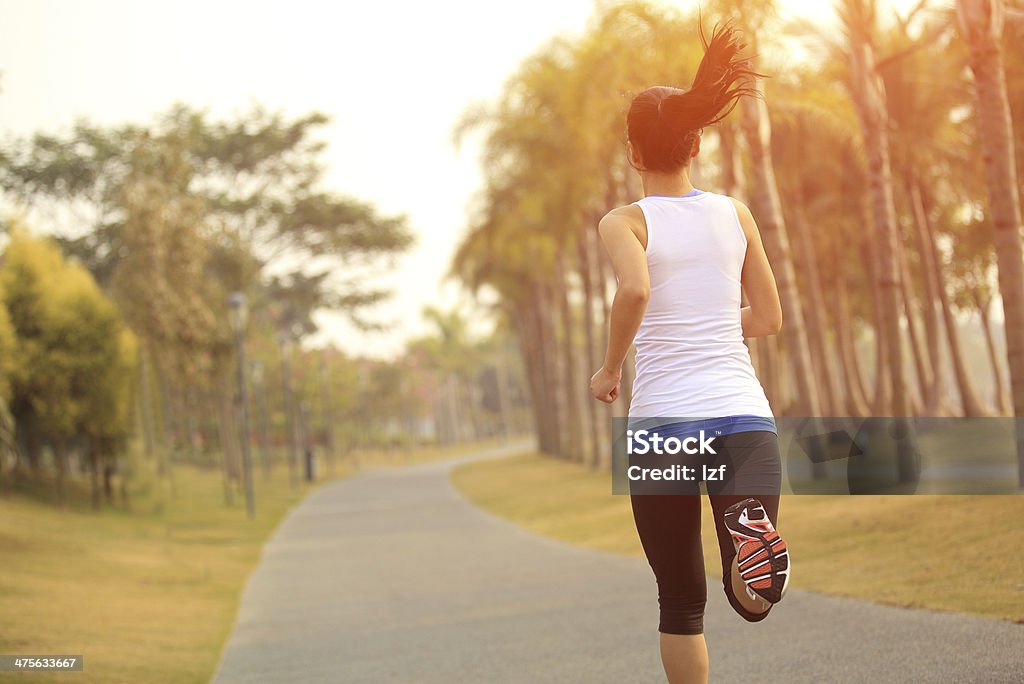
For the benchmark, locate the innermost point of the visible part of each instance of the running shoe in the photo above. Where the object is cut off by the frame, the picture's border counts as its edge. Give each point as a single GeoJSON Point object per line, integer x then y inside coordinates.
{"type": "Point", "coordinates": [761, 553]}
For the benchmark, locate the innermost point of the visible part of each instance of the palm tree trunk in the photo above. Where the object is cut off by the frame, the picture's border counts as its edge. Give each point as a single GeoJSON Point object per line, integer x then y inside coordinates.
{"type": "Point", "coordinates": [917, 350]}
{"type": "Point", "coordinates": [572, 389]}
{"type": "Point", "coordinates": [868, 93]}
{"type": "Point", "coordinates": [856, 394]}
{"type": "Point", "coordinates": [935, 402]}
{"type": "Point", "coordinates": [1002, 398]}
{"type": "Point", "coordinates": [732, 167]}
{"type": "Point", "coordinates": [607, 277]}
{"type": "Point", "coordinates": [601, 290]}
{"type": "Point", "coordinates": [769, 367]}
{"type": "Point", "coordinates": [968, 396]}
{"type": "Point", "coordinates": [881, 397]}
{"type": "Point", "coordinates": [814, 309]}
{"type": "Point", "coordinates": [886, 272]}
{"type": "Point", "coordinates": [589, 341]}
{"type": "Point", "coordinates": [982, 23]}
{"type": "Point", "coordinates": [768, 209]}
{"type": "Point", "coordinates": [504, 386]}
{"type": "Point", "coordinates": [540, 308]}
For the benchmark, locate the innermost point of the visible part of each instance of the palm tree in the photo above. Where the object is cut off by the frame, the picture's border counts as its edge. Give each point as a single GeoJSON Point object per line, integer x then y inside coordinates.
{"type": "Point", "coordinates": [981, 23]}
{"type": "Point", "coordinates": [928, 151]}
{"type": "Point", "coordinates": [555, 162]}
{"type": "Point", "coordinates": [767, 208]}
{"type": "Point", "coordinates": [868, 93]}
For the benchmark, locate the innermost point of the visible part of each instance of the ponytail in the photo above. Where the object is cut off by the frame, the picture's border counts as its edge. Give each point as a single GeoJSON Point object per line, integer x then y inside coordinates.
{"type": "Point", "coordinates": [663, 123]}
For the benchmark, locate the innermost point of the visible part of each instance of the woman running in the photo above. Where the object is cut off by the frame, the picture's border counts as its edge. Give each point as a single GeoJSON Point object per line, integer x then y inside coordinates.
{"type": "Point", "coordinates": [682, 256]}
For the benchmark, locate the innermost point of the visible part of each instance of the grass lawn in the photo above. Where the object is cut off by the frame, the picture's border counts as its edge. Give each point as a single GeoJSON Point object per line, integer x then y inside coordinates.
{"type": "Point", "coordinates": [146, 596]}
{"type": "Point", "coordinates": [955, 553]}
{"type": "Point", "coordinates": [149, 595]}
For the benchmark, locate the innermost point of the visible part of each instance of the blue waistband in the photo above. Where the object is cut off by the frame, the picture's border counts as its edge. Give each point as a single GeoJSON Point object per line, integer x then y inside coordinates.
{"type": "Point", "coordinates": [726, 425]}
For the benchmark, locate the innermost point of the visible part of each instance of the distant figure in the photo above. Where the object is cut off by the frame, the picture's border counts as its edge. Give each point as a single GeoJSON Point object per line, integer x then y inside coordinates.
{"type": "Point", "coordinates": [682, 257]}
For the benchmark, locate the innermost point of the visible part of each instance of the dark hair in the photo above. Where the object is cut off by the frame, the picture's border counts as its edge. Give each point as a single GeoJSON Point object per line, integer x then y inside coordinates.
{"type": "Point", "coordinates": [663, 122]}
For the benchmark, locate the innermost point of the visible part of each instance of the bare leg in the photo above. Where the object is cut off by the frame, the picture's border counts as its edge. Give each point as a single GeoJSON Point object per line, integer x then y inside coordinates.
{"type": "Point", "coordinates": [685, 657]}
{"type": "Point", "coordinates": [739, 590]}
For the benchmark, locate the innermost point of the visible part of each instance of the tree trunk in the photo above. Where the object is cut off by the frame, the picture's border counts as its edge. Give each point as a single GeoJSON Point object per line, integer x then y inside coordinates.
{"type": "Point", "coordinates": [918, 351]}
{"type": "Point", "coordinates": [534, 341]}
{"type": "Point", "coordinates": [620, 407]}
{"type": "Point", "coordinates": [94, 472]}
{"type": "Point", "coordinates": [327, 410]}
{"type": "Point", "coordinates": [868, 93]}
{"type": "Point", "coordinates": [554, 372]}
{"type": "Point", "coordinates": [732, 167]}
{"type": "Point", "coordinates": [191, 420]}
{"type": "Point", "coordinates": [168, 415]}
{"type": "Point", "coordinates": [603, 280]}
{"type": "Point", "coordinates": [145, 403]}
{"type": "Point", "coordinates": [768, 211]}
{"type": "Point", "coordinates": [856, 396]}
{"type": "Point", "coordinates": [1002, 398]}
{"type": "Point", "coordinates": [769, 367]}
{"type": "Point", "coordinates": [60, 455]}
{"type": "Point", "coordinates": [593, 456]}
{"type": "Point", "coordinates": [814, 309]}
{"type": "Point", "coordinates": [222, 439]}
{"type": "Point", "coordinates": [968, 396]}
{"type": "Point", "coordinates": [503, 385]}
{"type": "Point", "coordinates": [935, 395]}
{"type": "Point", "coordinates": [33, 448]}
{"type": "Point", "coordinates": [982, 23]}
{"type": "Point", "coordinates": [288, 408]}
{"type": "Point", "coordinates": [573, 387]}
{"type": "Point", "coordinates": [108, 482]}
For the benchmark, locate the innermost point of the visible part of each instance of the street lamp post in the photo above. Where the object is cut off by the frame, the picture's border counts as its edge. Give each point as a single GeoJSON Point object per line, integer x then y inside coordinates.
{"type": "Point", "coordinates": [239, 311]}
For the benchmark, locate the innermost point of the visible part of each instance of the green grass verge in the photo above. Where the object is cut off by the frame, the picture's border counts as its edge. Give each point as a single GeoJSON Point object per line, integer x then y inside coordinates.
{"type": "Point", "coordinates": [145, 596]}
{"type": "Point", "coordinates": [151, 594]}
{"type": "Point", "coordinates": [954, 553]}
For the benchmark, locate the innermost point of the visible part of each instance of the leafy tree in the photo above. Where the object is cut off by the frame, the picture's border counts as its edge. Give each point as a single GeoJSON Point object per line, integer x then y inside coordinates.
{"type": "Point", "coordinates": [72, 374]}
{"type": "Point", "coordinates": [173, 216]}
{"type": "Point", "coordinates": [258, 178]}
{"type": "Point", "coordinates": [7, 361]}
{"type": "Point", "coordinates": [7, 366]}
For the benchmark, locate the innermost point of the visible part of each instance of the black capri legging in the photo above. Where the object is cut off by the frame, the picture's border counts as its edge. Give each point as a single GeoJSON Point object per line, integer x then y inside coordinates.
{"type": "Point", "coordinates": [669, 528]}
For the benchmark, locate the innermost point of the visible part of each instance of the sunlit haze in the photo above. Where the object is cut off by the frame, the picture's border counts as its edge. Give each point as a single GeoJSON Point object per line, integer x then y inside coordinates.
{"type": "Point", "coordinates": [393, 76]}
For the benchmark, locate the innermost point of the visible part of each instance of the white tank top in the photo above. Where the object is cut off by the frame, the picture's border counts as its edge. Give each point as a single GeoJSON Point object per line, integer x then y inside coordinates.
{"type": "Point", "coordinates": [690, 358]}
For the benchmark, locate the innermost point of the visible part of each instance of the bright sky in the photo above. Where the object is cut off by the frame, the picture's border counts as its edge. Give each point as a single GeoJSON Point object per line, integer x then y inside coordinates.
{"type": "Point", "coordinates": [394, 76]}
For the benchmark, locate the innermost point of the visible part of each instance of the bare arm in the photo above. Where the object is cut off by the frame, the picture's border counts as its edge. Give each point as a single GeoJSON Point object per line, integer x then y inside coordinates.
{"type": "Point", "coordinates": [634, 290]}
{"type": "Point", "coordinates": [763, 315]}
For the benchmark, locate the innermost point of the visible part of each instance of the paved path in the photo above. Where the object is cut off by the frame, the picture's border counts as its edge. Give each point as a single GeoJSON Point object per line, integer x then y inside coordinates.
{"type": "Point", "coordinates": [393, 577]}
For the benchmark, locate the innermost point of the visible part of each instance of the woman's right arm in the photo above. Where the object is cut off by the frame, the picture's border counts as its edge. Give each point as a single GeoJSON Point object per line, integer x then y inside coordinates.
{"type": "Point", "coordinates": [763, 315]}
{"type": "Point", "coordinates": [629, 260]}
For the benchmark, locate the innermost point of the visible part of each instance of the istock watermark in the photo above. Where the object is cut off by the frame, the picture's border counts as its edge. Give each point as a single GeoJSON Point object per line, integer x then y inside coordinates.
{"type": "Point", "coordinates": [643, 442]}
{"type": "Point", "coordinates": [818, 455]}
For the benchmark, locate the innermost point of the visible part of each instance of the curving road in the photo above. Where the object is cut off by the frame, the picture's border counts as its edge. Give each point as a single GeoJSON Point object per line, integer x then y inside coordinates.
{"type": "Point", "coordinates": [392, 576]}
